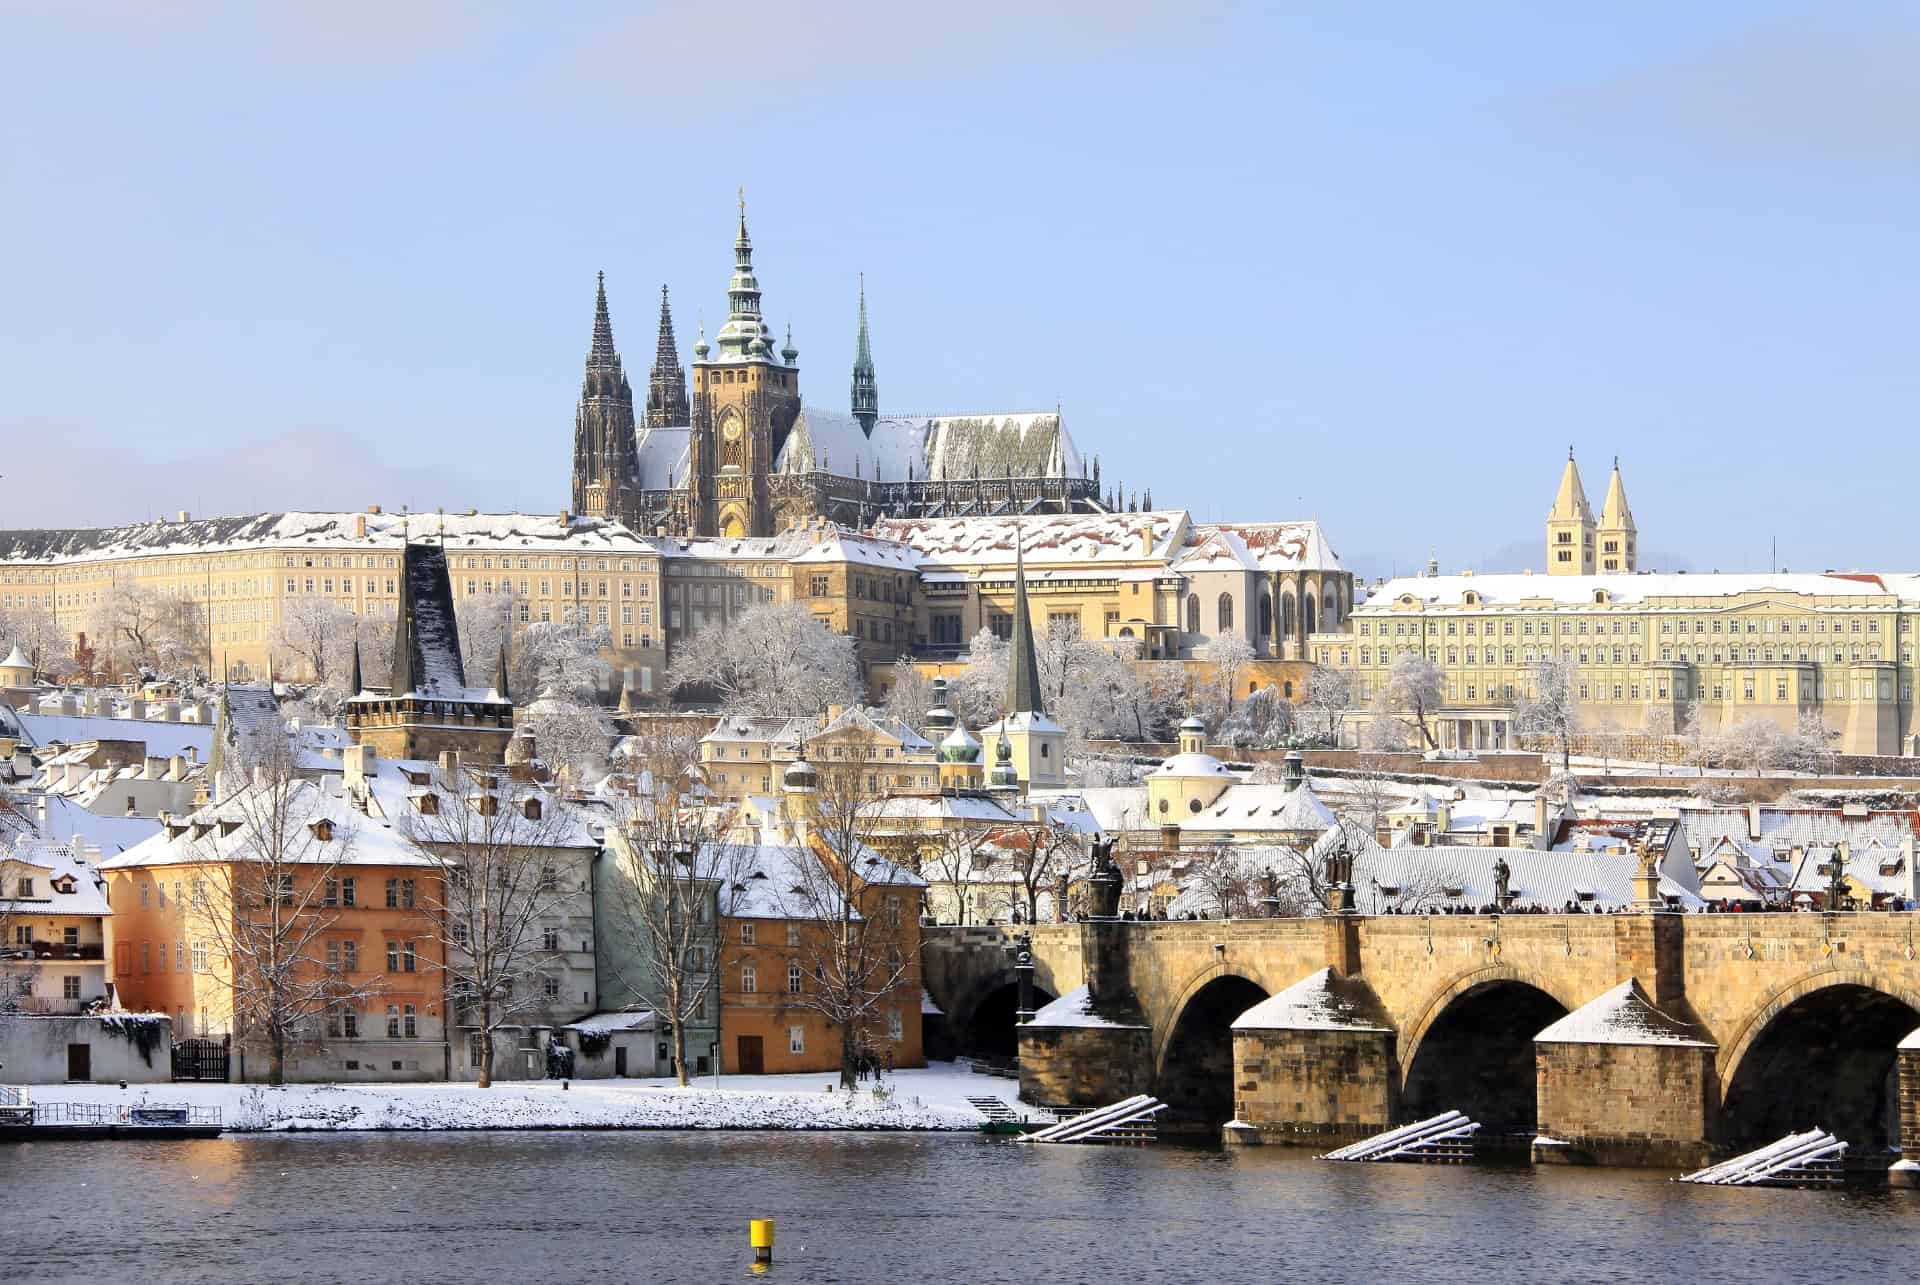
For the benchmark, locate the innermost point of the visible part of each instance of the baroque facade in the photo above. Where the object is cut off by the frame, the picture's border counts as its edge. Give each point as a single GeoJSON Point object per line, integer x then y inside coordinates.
{"type": "Point", "coordinates": [739, 455]}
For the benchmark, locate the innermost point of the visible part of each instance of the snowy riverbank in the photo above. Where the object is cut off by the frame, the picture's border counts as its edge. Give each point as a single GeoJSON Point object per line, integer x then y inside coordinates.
{"type": "Point", "coordinates": [933, 1098]}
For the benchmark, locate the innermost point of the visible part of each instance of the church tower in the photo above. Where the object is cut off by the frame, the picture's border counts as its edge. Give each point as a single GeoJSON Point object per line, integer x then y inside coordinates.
{"type": "Point", "coordinates": [745, 400]}
{"type": "Point", "coordinates": [1570, 532]}
{"type": "Point", "coordinates": [1619, 540]}
{"type": "Point", "coordinates": [866, 392]}
{"type": "Point", "coordinates": [667, 383]}
{"type": "Point", "coordinates": [604, 472]}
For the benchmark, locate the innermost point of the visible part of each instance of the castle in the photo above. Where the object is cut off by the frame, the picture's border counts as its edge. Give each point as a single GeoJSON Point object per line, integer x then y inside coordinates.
{"type": "Point", "coordinates": [740, 455]}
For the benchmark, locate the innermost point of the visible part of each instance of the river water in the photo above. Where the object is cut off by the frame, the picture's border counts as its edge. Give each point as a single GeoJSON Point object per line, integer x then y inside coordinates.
{"type": "Point", "coordinates": [540, 1207]}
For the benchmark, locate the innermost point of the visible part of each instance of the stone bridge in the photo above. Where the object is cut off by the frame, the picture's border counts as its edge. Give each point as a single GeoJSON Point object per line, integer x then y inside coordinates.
{"type": "Point", "coordinates": [1632, 1039]}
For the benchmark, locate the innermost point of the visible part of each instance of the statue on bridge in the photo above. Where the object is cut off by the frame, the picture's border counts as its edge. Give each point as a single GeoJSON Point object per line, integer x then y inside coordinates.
{"type": "Point", "coordinates": [1338, 870]}
{"type": "Point", "coordinates": [1103, 887]}
{"type": "Point", "coordinates": [1502, 883]}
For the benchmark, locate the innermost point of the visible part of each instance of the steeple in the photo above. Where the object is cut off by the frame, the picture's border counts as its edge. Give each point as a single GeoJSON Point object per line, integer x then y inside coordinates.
{"type": "Point", "coordinates": [354, 684]}
{"type": "Point", "coordinates": [866, 392]}
{"type": "Point", "coordinates": [1618, 537]}
{"type": "Point", "coordinates": [1570, 533]}
{"type": "Point", "coordinates": [226, 741]}
{"type": "Point", "coordinates": [604, 450]}
{"type": "Point", "coordinates": [1023, 665]}
{"type": "Point", "coordinates": [746, 333]}
{"type": "Point", "coordinates": [500, 691]}
{"type": "Point", "coordinates": [667, 382]}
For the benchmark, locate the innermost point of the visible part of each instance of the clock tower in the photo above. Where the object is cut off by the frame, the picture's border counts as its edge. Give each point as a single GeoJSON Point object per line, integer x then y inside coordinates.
{"type": "Point", "coordinates": [746, 397]}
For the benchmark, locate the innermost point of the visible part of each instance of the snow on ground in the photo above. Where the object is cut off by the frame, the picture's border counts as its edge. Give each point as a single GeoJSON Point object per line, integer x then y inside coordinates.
{"type": "Point", "coordinates": [933, 1098]}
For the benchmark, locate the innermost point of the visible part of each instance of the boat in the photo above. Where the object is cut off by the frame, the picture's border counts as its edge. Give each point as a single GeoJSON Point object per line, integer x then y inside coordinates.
{"type": "Point", "coordinates": [24, 1120]}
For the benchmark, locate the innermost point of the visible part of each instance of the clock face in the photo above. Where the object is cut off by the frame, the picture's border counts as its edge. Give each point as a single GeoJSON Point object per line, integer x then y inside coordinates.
{"type": "Point", "coordinates": [732, 430]}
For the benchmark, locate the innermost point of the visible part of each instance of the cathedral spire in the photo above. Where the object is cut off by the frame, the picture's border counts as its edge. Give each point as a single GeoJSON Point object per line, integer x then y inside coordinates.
{"type": "Point", "coordinates": [866, 392]}
{"type": "Point", "coordinates": [746, 333]}
{"type": "Point", "coordinates": [667, 383]}
{"type": "Point", "coordinates": [600, 355]}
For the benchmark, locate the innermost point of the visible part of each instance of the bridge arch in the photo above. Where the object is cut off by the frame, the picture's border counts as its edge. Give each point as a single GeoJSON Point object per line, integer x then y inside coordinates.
{"type": "Point", "coordinates": [1818, 1052]}
{"type": "Point", "coordinates": [1471, 1047]}
{"type": "Point", "coordinates": [1193, 1060]}
{"type": "Point", "coordinates": [982, 1023]}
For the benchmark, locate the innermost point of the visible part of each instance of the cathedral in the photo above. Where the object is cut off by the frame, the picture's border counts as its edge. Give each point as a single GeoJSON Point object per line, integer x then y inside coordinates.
{"type": "Point", "coordinates": [738, 454]}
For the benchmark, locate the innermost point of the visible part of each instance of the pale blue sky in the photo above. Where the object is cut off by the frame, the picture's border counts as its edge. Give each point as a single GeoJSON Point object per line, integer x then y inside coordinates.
{"type": "Point", "coordinates": [1375, 264]}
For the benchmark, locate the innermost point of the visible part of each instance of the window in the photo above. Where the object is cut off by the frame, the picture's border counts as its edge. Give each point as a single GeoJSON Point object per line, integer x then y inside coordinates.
{"type": "Point", "coordinates": [346, 892]}
{"type": "Point", "coordinates": [794, 976]}
{"type": "Point", "coordinates": [550, 987]}
{"type": "Point", "coordinates": [179, 957]}
{"type": "Point", "coordinates": [393, 894]}
{"type": "Point", "coordinates": [746, 934]}
{"type": "Point", "coordinates": [199, 957]}
{"type": "Point", "coordinates": [550, 939]}
{"type": "Point", "coordinates": [796, 1039]}
{"type": "Point", "coordinates": [749, 980]}
{"type": "Point", "coordinates": [1193, 613]}
{"type": "Point", "coordinates": [350, 956]}
{"type": "Point", "coordinates": [896, 1025]}
{"type": "Point", "coordinates": [1224, 612]}
{"type": "Point", "coordinates": [793, 934]}
{"type": "Point", "coordinates": [70, 986]}
{"type": "Point", "coordinates": [330, 893]}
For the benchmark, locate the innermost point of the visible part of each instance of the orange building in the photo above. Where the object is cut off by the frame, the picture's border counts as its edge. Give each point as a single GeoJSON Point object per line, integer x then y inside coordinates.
{"type": "Point", "coordinates": [190, 901]}
{"type": "Point", "coordinates": [785, 997]}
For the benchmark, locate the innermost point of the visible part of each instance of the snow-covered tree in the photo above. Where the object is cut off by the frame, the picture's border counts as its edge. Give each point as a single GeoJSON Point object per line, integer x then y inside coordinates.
{"type": "Point", "coordinates": [1810, 746]}
{"type": "Point", "coordinates": [572, 738]}
{"type": "Point", "coordinates": [1035, 853]}
{"type": "Point", "coordinates": [486, 625]}
{"type": "Point", "coordinates": [1751, 744]}
{"type": "Point", "coordinates": [1414, 690]}
{"type": "Point", "coordinates": [1230, 655]}
{"type": "Point", "coordinates": [909, 695]}
{"type": "Point", "coordinates": [494, 848]}
{"type": "Point", "coordinates": [981, 691]}
{"type": "Point", "coordinates": [1551, 710]}
{"type": "Point", "coordinates": [319, 631]}
{"type": "Point", "coordinates": [150, 631]}
{"type": "Point", "coordinates": [1328, 701]}
{"type": "Point", "coordinates": [565, 658]}
{"type": "Point", "coordinates": [1265, 720]}
{"type": "Point", "coordinates": [775, 660]}
{"type": "Point", "coordinates": [39, 636]}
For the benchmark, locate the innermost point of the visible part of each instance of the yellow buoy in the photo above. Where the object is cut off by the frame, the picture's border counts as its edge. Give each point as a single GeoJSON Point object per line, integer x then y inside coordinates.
{"type": "Point", "coordinates": [760, 1236]}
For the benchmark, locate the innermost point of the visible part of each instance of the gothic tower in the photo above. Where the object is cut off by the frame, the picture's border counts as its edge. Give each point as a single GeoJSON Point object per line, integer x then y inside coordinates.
{"type": "Point", "coordinates": [667, 383]}
{"type": "Point", "coordinates": [745, 400]}
{"type": "Point", "coordinates": [604, 478]}
{"type": "Point", "coordinates": [1570, 527]}
{"type": "Point", "coordinates": [1619, 540]}
{"type": "Point", "coordinates": [866, 393]}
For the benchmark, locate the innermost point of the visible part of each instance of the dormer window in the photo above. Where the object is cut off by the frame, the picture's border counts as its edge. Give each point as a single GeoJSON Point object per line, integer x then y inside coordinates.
{"type": "Point", "coordinates": [428, 804]}
{"type": "Point", "coordinates": [323, 829]}
{"type": "Point", "coordinates": [531, 809]}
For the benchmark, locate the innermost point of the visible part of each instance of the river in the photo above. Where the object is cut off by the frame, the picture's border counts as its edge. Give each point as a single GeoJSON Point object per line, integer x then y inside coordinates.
{"type": "Point", "coordinates": [863, 1208]}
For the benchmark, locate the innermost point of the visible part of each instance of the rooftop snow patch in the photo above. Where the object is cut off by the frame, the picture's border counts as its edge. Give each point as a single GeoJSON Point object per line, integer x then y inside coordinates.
{"type": "Point", "coordinates": [1075, 1008]}
{"type": "Point", "coordinates": [1322, 1001]}
{"type": "Point", "coordinates": [1624, 1015]}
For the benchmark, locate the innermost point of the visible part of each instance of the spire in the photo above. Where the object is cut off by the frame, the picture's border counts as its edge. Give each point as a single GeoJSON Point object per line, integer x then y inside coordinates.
{"type": "Point", "coordinates": [601, 354]}
{"type": "Point", "coordinates": [426, 634]}
{"type": "Point", "coordinates": [1570, 503]}
{"type": "Point", "coordinates": [354, 684]}
{"type": "Point", "coordinates": [226, 741]}
{"type": "Point", "coordinates": [1614, 513]}
{"type": "Point", "coordinates": [667, 382]}
{"type": "Point", "coordinates": [1023, 665]}
{"type": "Point", "coordinates": [500, 677]}
{"type": "Point", "coordinates": [746, 333]}
{"type": "Point", "coordinates": [866, 392]}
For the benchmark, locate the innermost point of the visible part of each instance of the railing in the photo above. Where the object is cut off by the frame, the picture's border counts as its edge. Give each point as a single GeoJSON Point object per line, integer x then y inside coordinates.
{"type": "Point", "coordinates": [102, 1114]}
{"type": "Point", "coordinates": [57, 950]}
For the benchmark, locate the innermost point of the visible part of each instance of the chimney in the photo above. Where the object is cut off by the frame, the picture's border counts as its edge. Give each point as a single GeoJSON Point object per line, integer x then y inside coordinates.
{"type": "Point", "coordinates": [359, 526]}
{"type": "Point", "coordinates": [176, 768]}
{"type": "Point", "coordinates": [1170, 836]}
{"type": "Point", "coordinates": [183, 516]}
{"type": "Point", "coordinates": [137, 708]}
{"type": "Point", "coordinates": [833, 713]}
{"type": "Point", "coordinates": [1443, 819]}
{"type": "Point", "coordinates": [360, 766]}
{"type": "Point", "coordinates": [374, 509]}
{"type": "Point", "coordinates": [1753, 821]}
{"type": "Point", "coordinates": [1541, 840]}
{"type": "Point", "coordinates": [169, 711]}
{"type": "Point", "coordinates": [156, 768]}
{"type": "Point", "coordinates": [1146, 541]}
{"type": "Point", "coordinates": [1296, 770]}
{"type": "Point", "coordinates": [69, 703]}
{"type": "Point", "coordinates": [449, 765]}
{"type": "Point", "coordinates": [1038, 811]}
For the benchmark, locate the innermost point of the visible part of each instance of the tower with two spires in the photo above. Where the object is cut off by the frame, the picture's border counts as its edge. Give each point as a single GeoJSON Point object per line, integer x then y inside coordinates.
{"type": "Point", "coordinates": [1577, 545]}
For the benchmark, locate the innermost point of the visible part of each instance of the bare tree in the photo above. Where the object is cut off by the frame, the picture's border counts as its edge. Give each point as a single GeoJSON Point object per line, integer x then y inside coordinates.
{"type": "Point", "coordinates": [572, 738]}
{"type": "Point", "coordinates": [1263, 721]}
{"type": "Point", "coordinates": [671, 865]}
{"type": "Point", "coordinates": [496, 848]}
{"type": "Point", "coordinates": [1329, 699]}
{"type": "Point", "coordinates": [1810, 746]}
{"type": "Point", "coordinates": [1035, 852]}
{"type": "Point", "coordinates": [859, 938]}
{"type": "Point", "coordinates": [1225, 879]}
{"type": "Point", "coordinates": [955, 857]}
{"type": "Point", "coordinates": [266, 903]}
{"type": "Point", "coordinates": [1370, 795]}
{"type": "Point", "coordinates": [566, 659]}
{"type": "Point", "coordinates": [1414, 690]}
{"type": "Point", "coordinates": [909, 696]}
{"type": "Point", "coordinates": [982, 689]}
{"type": "Point", "coordinates": [774, 660]}
{"type": "Point", "coordinates": [1551, 710]}
{"type": "Point", "coordinates": [39, 636]}
{"type": "Point", "coordinates": [156, 631]}
{"type": "Point", "coordinates": [486, 626]}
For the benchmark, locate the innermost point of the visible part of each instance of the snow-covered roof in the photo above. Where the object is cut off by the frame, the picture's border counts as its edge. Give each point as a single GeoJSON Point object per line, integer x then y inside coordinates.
{"type": "Point", "coordinates": [1045, 538]}
{"type": "Point", "coordinates": [1788, 827]}
{"type": "Point", "coordinates": [1245, 806]}
{"type": "Point", "coordinates": [16, 660]}
{"type": "Point", "coordinates": [833, 442]}
{"type": "Point", "coordinates": [1033, 444]}
{"type": "Point", "coordinates": [832, 544]}
{"type": "Point", "coordinates": [858, 718]}
{"type": "Point", "coordinates": [163, 740]}
{"type": "Point", "coordinates": [1258, 546]}
{"type": "Point", "coordinates": [1549, 879]}
{"type": "Point", "coordinates": [331, 531]}
{"type": "Point", "coordinates": [1513, 590]}
{"type": "Point", "coordinates": [1322, 1001]}
{"type": "Point", "coordinates": [1185, 765]}
{"type": "Point", "coordinates": [613, 1023]}
{"type": "Point", "coordinates": [68, 821]}
{"type": "Point", "coordinates": [1624, 1015]}
{"type": "Point", "coordinates": [1075, 1008]}
{"type": "Point", "coordinates": [661, 461]}
{"type": "Point", "coordinates": [65, 883]}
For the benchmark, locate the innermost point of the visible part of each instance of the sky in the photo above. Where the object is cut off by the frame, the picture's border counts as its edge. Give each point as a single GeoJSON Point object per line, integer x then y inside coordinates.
{"type": "Point", "coordinates": [1378, 265]}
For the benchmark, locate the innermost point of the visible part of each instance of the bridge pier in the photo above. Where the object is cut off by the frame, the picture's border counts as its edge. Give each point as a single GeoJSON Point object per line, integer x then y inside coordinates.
{"type": "Point", "coordinates": [1618, 1082]}
{"type": "Point", "coordinates": [1313, 1064]}
{"type": "Point", "coordinates": [1090, 1047]}
{"type": "Point", "coordinates": [1906, 1172]}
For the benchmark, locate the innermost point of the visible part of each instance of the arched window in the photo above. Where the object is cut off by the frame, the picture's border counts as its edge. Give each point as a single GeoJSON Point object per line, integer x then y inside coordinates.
{"type": "Point", "coordinates": [1307, 605]}
{"type": "Point", "coordinates": [1266, 614]}
{"type": "Point", "coordinates": [1193, 613]}
{"type": "Point", "coordinates": [1286, 614]}
{"type": "Point", "coordinates": [1226, 612]}
{"type": "Point", "coordinates": [1333, 608]}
